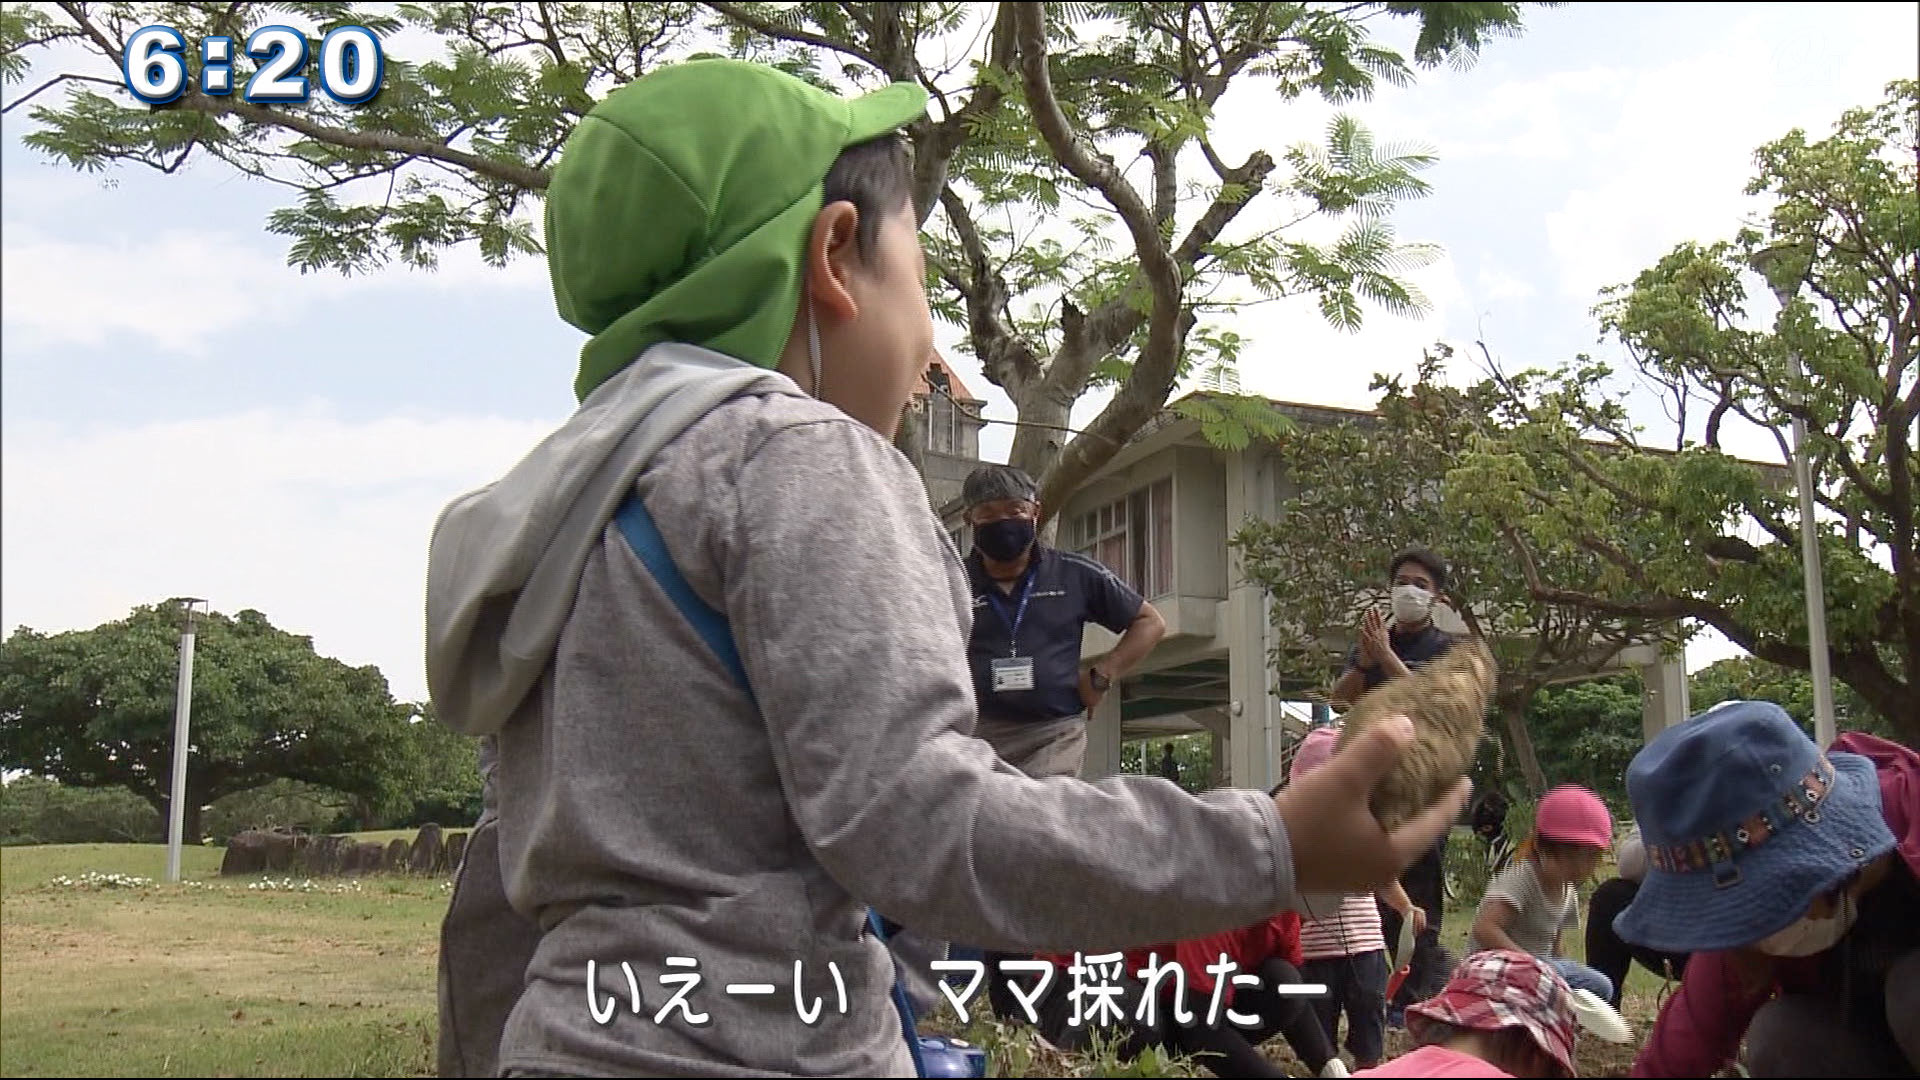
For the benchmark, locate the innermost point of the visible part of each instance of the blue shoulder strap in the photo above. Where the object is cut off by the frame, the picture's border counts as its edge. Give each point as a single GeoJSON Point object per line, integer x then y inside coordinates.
{"type": "Point", "coordinates": [644, 537]}
{"type": "Point", "coordinates": [637, 525]}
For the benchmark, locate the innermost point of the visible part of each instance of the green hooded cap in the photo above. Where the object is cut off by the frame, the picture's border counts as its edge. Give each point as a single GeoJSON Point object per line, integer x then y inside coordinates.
{"type": "Point", "coordinates": [681, 205]}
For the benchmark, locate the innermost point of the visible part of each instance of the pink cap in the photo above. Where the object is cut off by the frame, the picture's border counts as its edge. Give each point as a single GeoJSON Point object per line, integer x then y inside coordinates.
{"type": "Point", "coordinates": [1315, 750]}
{"type": "Point", "coordinates": [1573, 815]}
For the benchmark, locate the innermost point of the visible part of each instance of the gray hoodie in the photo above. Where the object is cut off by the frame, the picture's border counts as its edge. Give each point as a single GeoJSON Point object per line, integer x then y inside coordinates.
{"type": "Point", "coordinates": [655, 820]}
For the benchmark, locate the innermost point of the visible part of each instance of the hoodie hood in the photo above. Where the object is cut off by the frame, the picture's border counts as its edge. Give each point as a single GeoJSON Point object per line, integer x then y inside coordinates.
{"type": "Point", "coordinates": [505, 561]}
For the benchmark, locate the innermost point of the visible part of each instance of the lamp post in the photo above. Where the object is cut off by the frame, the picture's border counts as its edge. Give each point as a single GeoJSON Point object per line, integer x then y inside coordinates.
{"type": "Point", "coordinates": [1823, 720]}
{"type": "Point", "coordinates": [182, 708]}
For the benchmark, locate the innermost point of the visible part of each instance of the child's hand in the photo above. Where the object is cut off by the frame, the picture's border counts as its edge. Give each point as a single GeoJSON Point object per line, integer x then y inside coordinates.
{"type": "Point", "coordinates": [1338, 845]}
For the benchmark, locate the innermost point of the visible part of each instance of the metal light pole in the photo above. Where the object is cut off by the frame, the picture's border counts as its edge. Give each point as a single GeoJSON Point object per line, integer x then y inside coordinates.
{"type": "Point", "coordinates": [1823, 723]}
{"type": "Point", "coordinates": [1817, 654]}
{"type": "Point", "coordinates": [182, 708]}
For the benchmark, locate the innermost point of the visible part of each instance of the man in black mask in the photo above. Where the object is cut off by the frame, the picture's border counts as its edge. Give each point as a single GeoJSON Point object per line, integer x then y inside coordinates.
{"type": "Point", "coordinates": [1031, 604]}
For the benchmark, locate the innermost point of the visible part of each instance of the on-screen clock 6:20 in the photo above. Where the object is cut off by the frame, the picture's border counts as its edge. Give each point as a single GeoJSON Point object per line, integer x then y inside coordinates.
{"type": "Point", "coordinates": [350, 68]}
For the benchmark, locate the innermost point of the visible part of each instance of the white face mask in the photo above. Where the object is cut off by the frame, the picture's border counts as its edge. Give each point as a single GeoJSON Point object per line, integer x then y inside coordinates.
{"type": "Point", "coordinates": [1810, 936]}
{"type": "Point", "coordinates": [1411, 603]}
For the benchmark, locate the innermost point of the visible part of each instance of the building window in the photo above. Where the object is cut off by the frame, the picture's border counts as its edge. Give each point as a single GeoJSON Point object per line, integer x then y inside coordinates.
{"type": "Point", "coordinates": [946, 419]}
{"type": "Point", "coordinates": [1133, 537]}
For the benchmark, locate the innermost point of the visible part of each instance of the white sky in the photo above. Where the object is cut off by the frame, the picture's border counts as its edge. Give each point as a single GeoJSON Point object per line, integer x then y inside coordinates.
{"type": "Point", "coordinates": [183, 414]}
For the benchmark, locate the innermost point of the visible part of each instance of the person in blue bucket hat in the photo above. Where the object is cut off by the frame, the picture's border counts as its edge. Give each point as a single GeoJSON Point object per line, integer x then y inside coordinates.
{"type": "Point", "coordinates": [1793, 878]}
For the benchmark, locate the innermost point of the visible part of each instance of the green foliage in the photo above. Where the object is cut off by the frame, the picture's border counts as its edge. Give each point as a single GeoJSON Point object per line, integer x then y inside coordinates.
{"type": "Point", "coordinates": [36, 810]}
{"type": "Point", "coordinates": [1192, 752]}
{"type": "Point", "coordinates": [1843, 240]}
{"type": "Point", "coordinates": [277, 804]}
{"type": "Point", "coordinates": [1233, 421]}
{"type": "Point", "coordinates": [96, 707]}
{"type": "Point", "coordinates": [1587, 733]}
{"type": "Point", "coordinates": [1748, 679]}
{"type": "Point", "coordinates": [1015, 1050]}
{"type": "Point", "coordinates": [1360, 488]}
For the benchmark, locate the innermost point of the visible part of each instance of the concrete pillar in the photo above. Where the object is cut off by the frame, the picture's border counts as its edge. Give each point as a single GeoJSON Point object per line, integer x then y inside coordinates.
{"type": "Point", "coordinates": [1663, 698]}
{"type": "Point", "coordinates": [1218, 776]}
{"type": "Point", "coordinates": [1103, 739]}
{"type": "Point", "coordinates": [1253, 711]}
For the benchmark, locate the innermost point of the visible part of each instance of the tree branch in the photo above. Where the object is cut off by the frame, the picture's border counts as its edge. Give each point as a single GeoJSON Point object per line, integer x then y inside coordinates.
{"type": "Point", "coordinates": [1116, 320]}
{"type": "Point", "coordinates": [1005, 357]}
{"type": "Point", "coordinates": [506, 172]}
{"type": "Point", "coordinates": [79, 16]}
{"type": "Point", "coordinates": [1090, 168]}
{"type": "Point", "coordinates": [56, 80]}
{"type": "Point", "coordinates": [935, 144]}
{"type": "Point", "coordinates": [748, 19]}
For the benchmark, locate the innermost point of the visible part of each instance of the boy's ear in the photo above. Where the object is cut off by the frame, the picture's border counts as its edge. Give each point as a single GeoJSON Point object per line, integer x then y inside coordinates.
{"type": "Point", "coordinates": [832, 249]}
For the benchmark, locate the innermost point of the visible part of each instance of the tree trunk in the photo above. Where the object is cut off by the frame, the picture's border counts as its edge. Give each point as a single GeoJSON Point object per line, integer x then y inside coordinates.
{"type": "Point", "coordinates": [189, 820]}
{"type": "Point", "coordinates": [1037, 449]}
{"type": "Point", "coordinates": [1513, 715]}
{"type": "Point", "coordinates": [911, 439]}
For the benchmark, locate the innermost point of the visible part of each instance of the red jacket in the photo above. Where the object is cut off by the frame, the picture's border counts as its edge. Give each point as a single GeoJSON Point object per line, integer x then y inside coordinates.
{"type": "Point", "coordinates": [1248, 948]}
{"type": "Point", "coordinates": [1700, 1028]}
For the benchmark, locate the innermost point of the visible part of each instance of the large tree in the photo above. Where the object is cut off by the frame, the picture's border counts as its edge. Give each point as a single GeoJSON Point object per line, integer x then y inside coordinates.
{"type": "Point", "coordinates": [1746, 678]}
{"type": "Point", "coordinates": [1087, 219]}
{"type": "Point", "coordinates": [1363, 488]}
{"type": "Point", "coordinates": [1842, 239]}
{"type": "Point", "coordinates": [95, 707]}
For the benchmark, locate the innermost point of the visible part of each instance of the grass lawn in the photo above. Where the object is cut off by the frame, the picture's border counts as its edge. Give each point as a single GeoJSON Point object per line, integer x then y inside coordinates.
{"type": "Point", "coordinates": [261, 977]}
{"type": "Point", "coordinates": [211, 977]}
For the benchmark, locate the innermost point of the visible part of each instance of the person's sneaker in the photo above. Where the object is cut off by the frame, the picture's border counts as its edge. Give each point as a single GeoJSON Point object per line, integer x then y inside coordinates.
{"type": "Point", "coordinates": [1334, 1067]}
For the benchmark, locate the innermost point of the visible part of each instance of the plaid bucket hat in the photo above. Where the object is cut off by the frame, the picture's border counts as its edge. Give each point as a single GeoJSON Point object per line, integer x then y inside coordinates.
{"type": "Point", "coordinates": [1502, 988]}
{"type": "Point", "coordinates": [1745, 822]}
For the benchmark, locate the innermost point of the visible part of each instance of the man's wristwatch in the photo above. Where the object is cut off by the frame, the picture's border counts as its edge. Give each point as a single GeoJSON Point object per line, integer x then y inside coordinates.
{"type": "Point", "coordinates": [1098, 680]}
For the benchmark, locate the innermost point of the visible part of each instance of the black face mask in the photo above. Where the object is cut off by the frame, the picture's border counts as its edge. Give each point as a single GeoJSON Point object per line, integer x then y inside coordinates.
{"type": "Point", "coordinates": [1004, 540]}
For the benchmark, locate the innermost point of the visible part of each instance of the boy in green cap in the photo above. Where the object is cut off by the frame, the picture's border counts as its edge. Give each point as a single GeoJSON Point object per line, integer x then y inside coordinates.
{"type": "Point", "coordinates": [697, 823]}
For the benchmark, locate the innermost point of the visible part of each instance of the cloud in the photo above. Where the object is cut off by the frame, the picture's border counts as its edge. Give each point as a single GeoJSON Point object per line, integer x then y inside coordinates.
{"type": "Point", "coordinates": [1673, 148]}
{"type": "Point", "coordinates": [1493, 283]}
{"type": "Point", "coordinates": [188, 292]}
{"type": "Point", "coordinates": [319, 523]}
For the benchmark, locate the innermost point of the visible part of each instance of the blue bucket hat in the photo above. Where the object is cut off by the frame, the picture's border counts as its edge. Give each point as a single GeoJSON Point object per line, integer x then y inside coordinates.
{"type": "Point", "coordinates": [1746, 822]}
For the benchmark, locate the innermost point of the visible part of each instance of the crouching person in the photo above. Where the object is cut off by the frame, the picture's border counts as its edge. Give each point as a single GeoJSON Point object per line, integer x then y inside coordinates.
{"type": "Point", "coordinates": [1504, 1013]}
{"type": "Point", "coordinates": [1791, 877]}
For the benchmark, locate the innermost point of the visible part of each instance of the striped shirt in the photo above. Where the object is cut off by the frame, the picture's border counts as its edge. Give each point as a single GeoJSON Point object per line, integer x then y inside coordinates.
{"type": "Point", "coordinates": [1350, 931]}
{"type": "Point", "coordinates": [1538, 920]}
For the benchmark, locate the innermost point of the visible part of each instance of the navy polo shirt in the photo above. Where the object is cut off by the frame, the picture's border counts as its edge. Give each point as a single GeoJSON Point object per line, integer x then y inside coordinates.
{"type": "Point", "coordinates": [1413, 650]}
{"type": "Point", "coordinates": [1068, 591]}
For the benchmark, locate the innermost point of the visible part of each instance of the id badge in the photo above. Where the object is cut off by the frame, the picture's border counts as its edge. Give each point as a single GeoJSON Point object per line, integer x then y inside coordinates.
{"type": "Point", "coordinates": [1012, 673]}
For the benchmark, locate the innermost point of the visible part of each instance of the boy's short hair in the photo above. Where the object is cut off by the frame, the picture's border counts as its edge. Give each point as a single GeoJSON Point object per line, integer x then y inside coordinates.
{"type": "Point", "coordinates": [876, 176]}
{"type": "Point", "coordinates": [1428, 561]}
